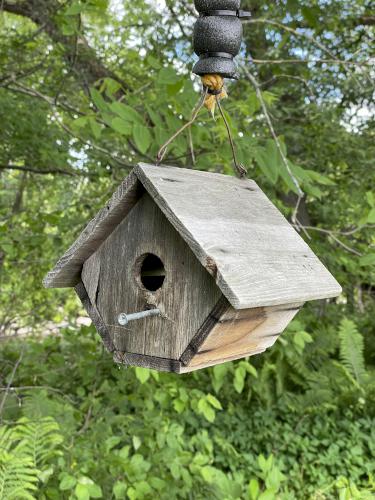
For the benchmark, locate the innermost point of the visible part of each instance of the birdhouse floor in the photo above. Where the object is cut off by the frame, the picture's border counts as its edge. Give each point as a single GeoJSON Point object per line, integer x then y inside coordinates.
{"type": "Point", "coordinates": [227, 334]}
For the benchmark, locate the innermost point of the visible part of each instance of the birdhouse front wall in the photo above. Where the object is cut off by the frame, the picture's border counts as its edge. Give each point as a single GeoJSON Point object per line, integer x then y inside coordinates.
{"type": "Point", "coordinates": [146, 264]}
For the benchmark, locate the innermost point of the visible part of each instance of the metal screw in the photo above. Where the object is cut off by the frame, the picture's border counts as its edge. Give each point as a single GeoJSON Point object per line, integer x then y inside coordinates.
{"type": "Point", "coordinates": [124, 319]}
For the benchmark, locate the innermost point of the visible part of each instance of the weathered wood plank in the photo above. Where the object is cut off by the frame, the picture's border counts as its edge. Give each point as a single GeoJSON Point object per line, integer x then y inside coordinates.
{"type": "Point", "coordinates": [67, 271]}
{"type": "Point", "coordinates": [95, 316]}
{"type": "Point", "coordinates": [204, 331]}
{"type": "Point", "coordinates": [154, 363]}
{"type": "Point", "coordinates": [90, 276]}
{"type": "Point", "coordinates": [239, 236]}
{"type": "Point", "coordinates": [239, 333]}
{"type": "Point", "coordinates": [186, 298]}
{"type": "Point", "coordinates": [189, 369]}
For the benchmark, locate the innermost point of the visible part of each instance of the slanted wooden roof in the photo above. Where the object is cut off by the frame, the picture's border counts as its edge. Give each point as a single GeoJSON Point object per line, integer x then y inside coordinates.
{"type": "Point", "coordinates": [238, 235]}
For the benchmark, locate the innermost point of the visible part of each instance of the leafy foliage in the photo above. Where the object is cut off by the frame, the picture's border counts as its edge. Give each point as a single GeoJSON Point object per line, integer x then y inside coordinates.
{"type": "Point", "coordinates": [165, 436]}
{"type": "Point", "coordinates": [87, 89]}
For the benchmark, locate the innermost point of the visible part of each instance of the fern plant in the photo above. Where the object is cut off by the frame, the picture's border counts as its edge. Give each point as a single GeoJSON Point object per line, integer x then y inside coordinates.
{"type": "Point", "coordinates": [25, 451]}
{"type": "Point", "coordinates": [351, 349]}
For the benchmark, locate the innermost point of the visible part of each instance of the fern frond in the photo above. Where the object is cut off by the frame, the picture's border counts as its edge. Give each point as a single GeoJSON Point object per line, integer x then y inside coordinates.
{"type": "Point", "coordinates": [18, 477]}
{"type": "Point", "coordinates": [24, 450]}
{"type": "Point", "coordinates": [351, 349]}
{"type": "Point", "coordinates": [39, 439]}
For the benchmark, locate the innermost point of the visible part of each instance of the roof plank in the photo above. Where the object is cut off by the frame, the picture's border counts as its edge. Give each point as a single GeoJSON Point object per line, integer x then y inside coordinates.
{"type": "Point", "coordinates": [239, 236]}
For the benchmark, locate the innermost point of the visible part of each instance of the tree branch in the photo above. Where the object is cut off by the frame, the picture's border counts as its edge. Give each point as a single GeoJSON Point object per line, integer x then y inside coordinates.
{"type": "Point", "coordinates": [41, 171]}
{"type": "Point", "coordinates": [77, 52]}
{"type": "Point", "coordinates": [10, 382]}
{"type": "Point", "coordinates": [366, 20]}
{"type": "Point", "coordinates": [258, 92]}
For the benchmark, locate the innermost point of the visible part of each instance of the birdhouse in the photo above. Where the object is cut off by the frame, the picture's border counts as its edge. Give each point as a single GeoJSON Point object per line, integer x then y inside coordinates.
{"type": "Point", "coordinates": [185, 269]}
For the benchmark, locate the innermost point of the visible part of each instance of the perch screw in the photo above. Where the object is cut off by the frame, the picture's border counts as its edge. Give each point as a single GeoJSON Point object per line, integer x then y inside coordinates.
{"type": "Point", "coordinates": [124, 319]}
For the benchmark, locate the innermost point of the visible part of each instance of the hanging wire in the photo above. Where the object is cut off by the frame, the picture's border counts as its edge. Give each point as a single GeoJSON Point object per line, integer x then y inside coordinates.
{"type": "Point", "coordinates": [210, 97]}
{"type": "Point", "coordinates": [199, 106]}
{"type": "Point", "coordinates": [240, 169]}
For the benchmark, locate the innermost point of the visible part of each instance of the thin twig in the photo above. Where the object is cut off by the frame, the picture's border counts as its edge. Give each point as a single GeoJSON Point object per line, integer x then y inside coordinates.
{"type": "Point", "coordinates": [36, 170]}
{"type": "Point", "coordinates": [240, 169]}
{"type": "Point", "coordinates": [308, 37]}
{"type": "Point", "coordinates": [7, 388]}
{"type": "Point", "coordinates": [291, 77]}
{"type": "Point", "coordinates": [164, 147]}
{"type": "Point", "coordinates": [191, 147]}
{"type": "Point", "coordinates": [310, 61]}
{"type": "Point", "coordinates": [38, 387]}
{"type": "Point", "coordinates": [328, 233]}
{"type": "Point", "coordinates": [275, 138]}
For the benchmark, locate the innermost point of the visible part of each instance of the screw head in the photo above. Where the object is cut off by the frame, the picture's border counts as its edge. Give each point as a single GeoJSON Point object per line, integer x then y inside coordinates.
{"type": "Point", "coordinates": [123, 319]}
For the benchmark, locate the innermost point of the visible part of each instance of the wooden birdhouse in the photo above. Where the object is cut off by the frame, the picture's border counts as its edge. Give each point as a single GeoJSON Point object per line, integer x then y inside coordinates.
{"type": "Point", "coordinates": [185, 269]}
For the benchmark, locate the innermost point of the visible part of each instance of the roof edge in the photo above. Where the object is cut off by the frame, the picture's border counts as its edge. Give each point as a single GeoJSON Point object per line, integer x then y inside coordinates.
{"type": "Point", "coordinates": [67, 270]}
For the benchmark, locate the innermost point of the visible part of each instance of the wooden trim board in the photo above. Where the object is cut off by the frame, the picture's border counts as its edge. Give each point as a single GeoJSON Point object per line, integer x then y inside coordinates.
{"type": "Point", "coordinates": [95, 316]}
{"type": "Point", "coordinates": [67, 271]}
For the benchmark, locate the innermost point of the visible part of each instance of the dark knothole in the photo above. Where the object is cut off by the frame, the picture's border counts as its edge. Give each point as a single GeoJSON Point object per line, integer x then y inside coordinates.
{"type": "Point", "coordinates": [152, 272]}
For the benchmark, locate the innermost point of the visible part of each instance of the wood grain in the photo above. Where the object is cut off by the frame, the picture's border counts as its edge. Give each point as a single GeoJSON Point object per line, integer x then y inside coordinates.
{"type": "Point", "coordinates": [95, 316]}
{"type": "Point", "coordinates": [186, 298]}
{"type": "Point", "coordinates": [239, 236]}
{"type": "Point", "coordinates": [67, 271]}
{"type": "Point", "coordinates": [238, 333]}
{"type": "Point", "coordinates": [154, 363]}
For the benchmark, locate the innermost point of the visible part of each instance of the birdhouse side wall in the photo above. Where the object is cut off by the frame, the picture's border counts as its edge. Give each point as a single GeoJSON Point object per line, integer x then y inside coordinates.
{"type": "Point", "coordinates": [230, 334]}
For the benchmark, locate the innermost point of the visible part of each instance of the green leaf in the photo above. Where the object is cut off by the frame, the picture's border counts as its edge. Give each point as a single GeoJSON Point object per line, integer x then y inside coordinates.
{"type": "Point", "coordinates": [82, 492]}
{"type": "Point", "coordinates": [267, 495]}
{"type": "Point", "coordinates": [142, 374]}
{"type": "Point", "coordinates": [136, 442]}
{"type": "Point", "coordinates": [96, 128]}
{"type": "Point", "coordinates": [371, 217]}
{"type": "Point", "coordinates": [67, 483]}
{"type": "Point", "coordinates": [111, 442]}
{"type": "Point", "coordinates": [367, 260]}
{"type": "Point", "coordinates": [310, 16]}
{"type": "Point", "coordinates": [80, 122]}
{"type": "Point", "coordinates": [253, 103]}
{"type": "Point", "coordinates": [119, 490]}
{"type": "Point", "coordinates": [214, 402]}
{"type": "Point", "coordinates": [319, 178]}
{"type": "Point", "coordinates": [268, 159]}
{"type": "Point", "coordinates": [219, 373]}
{"type": "Point", "coordinates": [206, 409]}
{"type": "Point", "coordinates": [253, 489]}
{"type": "Point", "coordinates": [122, 127]}
{"type": "Point", "coordinates": [98, 100]}
{"type": "Point", "coordinates": [239, 378]}
{"type": "Point", "coordinates": [167, 76]}
{"type": "Point", "coordinates": [142, 137]}
{"type": "Point", "coordinates": [127, 113]}
{"type": "Point", "coordinates": [155, 117]}
{"type": "Point", "coordinates": [110, 86]}
{"type": "Point", "coordinates": [95, 491]}
{"type": "Point", "coordinates": [370, 198]}
{"type": "Point", "coordinates": [208, 473]}
{"type": "Point", "coordinates": [74, 9]}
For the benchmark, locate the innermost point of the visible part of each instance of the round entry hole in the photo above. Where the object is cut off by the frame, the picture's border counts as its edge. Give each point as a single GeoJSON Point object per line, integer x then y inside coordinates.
{"type": "Point", "coordinates": [152, 272]}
